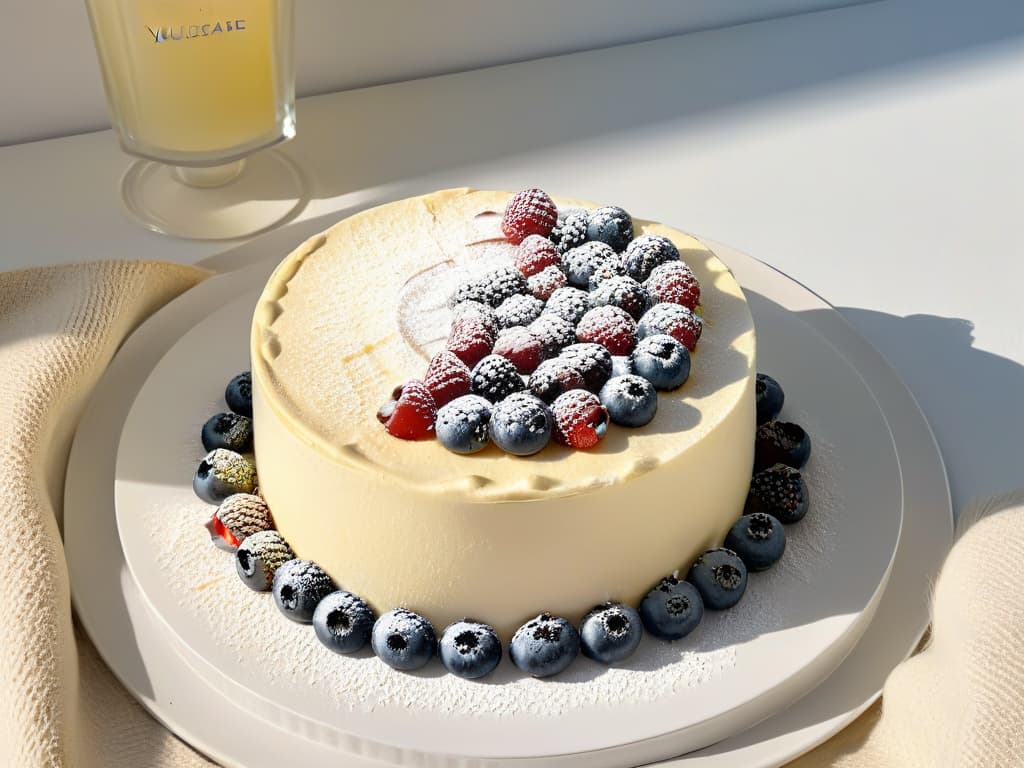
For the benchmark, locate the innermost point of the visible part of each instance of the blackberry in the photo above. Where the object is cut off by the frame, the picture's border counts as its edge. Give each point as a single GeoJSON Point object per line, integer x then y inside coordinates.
{"type": "Point", "coordinates": [584, 260]}
{"type": "Point", "coordinates": [781, 442]}
{"type": "Point", "coordinates": [519, 309]}
{"type": "Point", "coordinates": [570, 231]}
{"type": "Point", "coordinates": [491, 289]}
{"type": "Point", "coordinates": [645, 253]}
{"type": "Point", "coordinates": [495, 378]}
{"type": "Point", "coordinates": [593, 362]}
{"type": "Point", "coordinates": [568, 303]}
{"type": "Point", "coordinates": [779, 491]}
{"type": "Point", "coordinates": [624, 293]}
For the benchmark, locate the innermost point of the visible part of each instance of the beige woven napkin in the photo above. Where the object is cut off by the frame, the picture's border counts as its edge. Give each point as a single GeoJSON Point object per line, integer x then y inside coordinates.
{"type": "Point", "coordinates": [958, 703]}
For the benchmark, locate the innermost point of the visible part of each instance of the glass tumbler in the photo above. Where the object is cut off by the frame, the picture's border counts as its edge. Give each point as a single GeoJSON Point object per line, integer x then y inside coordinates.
{"type": "Point", "coordinates": [196, 90]}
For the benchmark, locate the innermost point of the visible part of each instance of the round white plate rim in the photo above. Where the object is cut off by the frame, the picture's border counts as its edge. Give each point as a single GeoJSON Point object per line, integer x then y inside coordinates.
{"type": "Point", "coordinates": [429, 736]}
{"type": "Point", "coordinates": [83, 485]}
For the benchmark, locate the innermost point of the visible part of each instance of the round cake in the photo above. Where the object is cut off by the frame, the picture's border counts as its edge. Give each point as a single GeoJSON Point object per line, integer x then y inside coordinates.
{"type": "Point", "coordinates": [490, 536]}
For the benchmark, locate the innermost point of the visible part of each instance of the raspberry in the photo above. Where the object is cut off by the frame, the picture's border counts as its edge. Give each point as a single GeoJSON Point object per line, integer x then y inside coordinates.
{"type": "Point", "coordinates": [520, 346]}
{"type": "Point", "coordinates": [570, 231]}
{"type": "Point", "coordinates": [478, 310]}
{"type": "Point", "coordinates": [610, 327]}
{"type": "Point", "coordinates": [568, 303]}
{"type": "Point", "coordinates": [447, 377]}
{"type": "Point", "coordinates": [546, 282]}
{"type": "Point", "coordinates": [470, 340]}
{"type": "Point", "coordinates": [593, 361]}
{"type": "Point", "coordinates": [623, 292]}
{"type": "Point", "coordinates": [534, 254]}
{"type": "Point", "coordinates": [410, 412]}
{"type": "Point", "coordinates": [495, 378]}
{"type": "Point", "coordinates": [580, 419]}
{"type": "Point", "coordinates": [554, 377]}
{"type": "Point", "coordinates": [674, 319]}
{"type": "Point", "coordinates": [554, 332]}
{"type": "Point", "coordinates": [645, 253]}
{"type": "Point", "coordinates": [529, 212]}
{"type": "Point", "coordinates": [518, 310]}
{"type": "Point", "coordinates": [674, 282]}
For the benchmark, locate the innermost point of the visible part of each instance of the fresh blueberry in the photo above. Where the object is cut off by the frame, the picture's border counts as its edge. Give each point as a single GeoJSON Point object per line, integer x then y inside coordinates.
{"type": "Point", "coordinates": [612, 225]}
{"type": "Point", "coordinates": [463, 425]}
{"type": "Point", "coordinates": [238, 394]}
{"type": "Point", "coordinates": [521, 424]}
{"type": "Point", "coordinates": [222, 473]}
{"type": "Point", "coordinates": [781, 442]}
{"type": "Point", "coordinates": [469, 649]}
{"type": "Point", "coordinates": [259, 556]}
{"type": "Point", "coordinates": [343, 622]}
{"type": "Point", "coordinates": [672, 610]}
{"type": "Point", "coordinates": [495, 378]}
{"type": "Point", "coordinates": [298, 586]}
{"type": "Point", "coordinates": [779, 491]}
{"type": "Point", "coordinates": [721, 578]}
{"type": "Point", "coordinates": [622, 365]}
{"type": "Point", "coordinates": [610, 633]}
{"type": "Point", "coordinates": [759, 539]}
{"type": "Point", "coordinates": [769, 398]}
{"type": "Point", "coordinates": [631, 400]}
{"type": "Point", "coordinates": [403, 639]}
{"type": "Point", "coordinates": [662, 360]}
{"type": "Point", "coordinates": [544, 646]}
{"type": "Point", "coordinates": [584, 260]}
{"type": "Point", "coordinates": [228, 430]}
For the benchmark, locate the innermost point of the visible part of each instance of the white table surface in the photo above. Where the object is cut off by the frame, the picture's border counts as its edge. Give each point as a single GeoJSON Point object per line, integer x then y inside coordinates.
{"type": "Point", "coordinates": [873, 153]}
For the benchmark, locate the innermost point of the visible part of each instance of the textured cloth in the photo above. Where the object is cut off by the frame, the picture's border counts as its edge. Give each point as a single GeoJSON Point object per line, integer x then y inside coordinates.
{"type": "Point", "coordinates": [960, 702]}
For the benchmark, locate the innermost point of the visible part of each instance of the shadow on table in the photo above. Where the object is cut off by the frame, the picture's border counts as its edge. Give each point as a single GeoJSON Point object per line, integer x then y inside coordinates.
{"type": "Point", "coordinates": [971, 398]}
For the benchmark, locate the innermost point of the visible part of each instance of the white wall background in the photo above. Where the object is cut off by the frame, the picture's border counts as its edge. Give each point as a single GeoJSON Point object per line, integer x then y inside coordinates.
{"type": "Point", "coordinates": [50, 83]}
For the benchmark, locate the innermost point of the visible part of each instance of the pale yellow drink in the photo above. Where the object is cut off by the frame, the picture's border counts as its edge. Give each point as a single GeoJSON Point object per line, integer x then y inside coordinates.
{"type": "Point", "coordinates": [193, 83]}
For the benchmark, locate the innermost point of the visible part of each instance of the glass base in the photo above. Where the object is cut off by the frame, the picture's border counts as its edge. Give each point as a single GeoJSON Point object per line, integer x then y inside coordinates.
{"type": "Point", "coordinates": [236, 200]}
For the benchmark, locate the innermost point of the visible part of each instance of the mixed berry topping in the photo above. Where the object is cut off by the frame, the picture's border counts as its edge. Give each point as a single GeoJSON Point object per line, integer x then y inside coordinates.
{"type": "Point", "coordinates": [610, 225]}
{"type": "Point", "coordinates": [447, 377]}
{"type": "Point", "coordinates": [228, 430]}
{"type": "Point", "coordinates": [299, 586]}
{"type": "Point", "coordinates": [403, 639]}
{"type": "Point", "coordinates": [238, 516]}
{"type": "Point", "coordinates": [223, 473]}
{"type": "Point", "coordinates": [238, 394]}
{"type": "Point", "coordinates": [536, 254]}
{"type": "Point", "coordinates": [609, 326]}
{"type": "Point", "coordinates": [410, 412]}
{"type": "Point", "coordinates": [674, 320]}
{"type": "Point", "coordinates": [721, 578]}
{"type": "Point", "coordinates": [495, 378]}
{"type": "Point", "coordinates": [259, 556]}
{"type": "Point", "coordinates": [570, 230]}
{"type": "Point", "coordinates": [529, 212]}
{"type": "Point", "coordinates": [581, 300]}
{"type": "Point", "coordinates": [673, 282]}
{"type": "Point", "coordinates": [580, 419]}
{"type": "Point", "coordinates": [759, 539]}
{"type": "Point", "coordinates": [672, 609]}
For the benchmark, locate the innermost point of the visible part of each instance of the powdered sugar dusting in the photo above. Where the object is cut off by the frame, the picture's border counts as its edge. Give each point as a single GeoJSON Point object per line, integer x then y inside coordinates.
{"type": "Point", "coordinates": [249, 627]}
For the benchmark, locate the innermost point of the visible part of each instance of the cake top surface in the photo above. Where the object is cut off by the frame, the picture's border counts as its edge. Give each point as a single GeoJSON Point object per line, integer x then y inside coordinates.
{"type": "Point", "coordinates": [362, 307]}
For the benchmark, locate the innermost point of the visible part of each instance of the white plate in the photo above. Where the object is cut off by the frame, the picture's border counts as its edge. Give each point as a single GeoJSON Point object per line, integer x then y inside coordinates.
{"type": "Point", "coordinates": [163, 683]}
{"type": "Point", "coordinates": [795, 625]}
